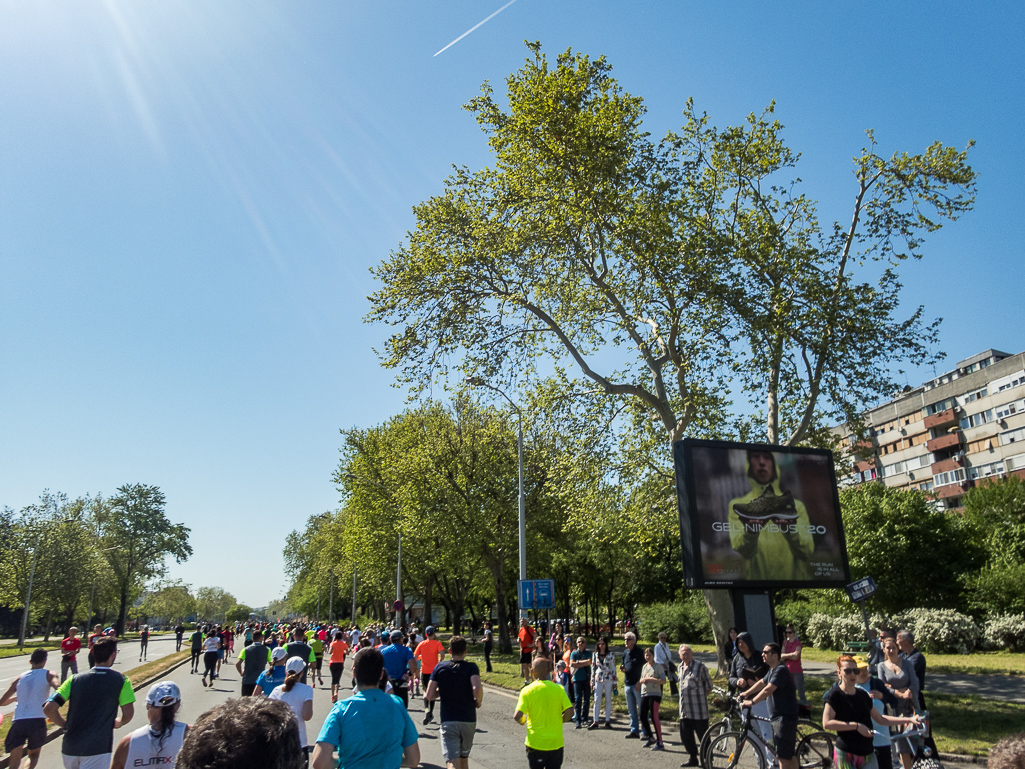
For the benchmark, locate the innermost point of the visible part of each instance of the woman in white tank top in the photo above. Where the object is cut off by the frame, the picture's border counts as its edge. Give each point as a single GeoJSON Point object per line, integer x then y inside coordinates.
{"type": "Point", "coordinates": [157, 743]}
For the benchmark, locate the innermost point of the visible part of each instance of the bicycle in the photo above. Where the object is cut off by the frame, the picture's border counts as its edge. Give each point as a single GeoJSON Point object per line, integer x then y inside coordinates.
{"type": "Point", "coordinates": [745, 749]}
{"type": "Point", "coordinates": [922, 754]}
{"type": "Point", "coordinates": [732, 716]}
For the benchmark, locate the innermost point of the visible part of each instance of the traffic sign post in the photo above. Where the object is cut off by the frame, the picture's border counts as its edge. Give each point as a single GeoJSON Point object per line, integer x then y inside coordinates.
{"type": "Point", "coordinates": [537, 593]}
{"type": "Point", "coordinates": [859, 592]}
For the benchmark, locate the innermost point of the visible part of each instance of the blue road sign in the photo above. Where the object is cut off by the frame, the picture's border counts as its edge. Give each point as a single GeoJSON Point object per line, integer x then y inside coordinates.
{"type": "Point", "coordinates": [537, 593]}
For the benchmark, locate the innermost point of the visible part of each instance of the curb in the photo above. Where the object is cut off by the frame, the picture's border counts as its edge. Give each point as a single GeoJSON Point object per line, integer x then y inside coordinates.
{"type": "Point", "coordinates": [957, 758]}
{"type": "Point", "coordinates": [55, 731]}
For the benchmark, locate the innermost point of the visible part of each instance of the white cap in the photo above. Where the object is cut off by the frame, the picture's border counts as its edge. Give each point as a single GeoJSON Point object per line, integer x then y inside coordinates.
{"type": "Point", "coordinates": [295, 665]}
{"type": "Point", "coordinates": [278, 654]}
{"type": "Point", "coordinates": [163, 693]}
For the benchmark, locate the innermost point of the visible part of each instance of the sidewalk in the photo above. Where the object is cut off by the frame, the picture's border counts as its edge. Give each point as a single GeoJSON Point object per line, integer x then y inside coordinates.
{"type": "Point", "coordinates": [1010, 688]}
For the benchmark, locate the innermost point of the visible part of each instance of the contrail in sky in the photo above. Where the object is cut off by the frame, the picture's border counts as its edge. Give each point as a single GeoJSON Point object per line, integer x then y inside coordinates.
{"type": "Point", "coordinates": [471, 29]}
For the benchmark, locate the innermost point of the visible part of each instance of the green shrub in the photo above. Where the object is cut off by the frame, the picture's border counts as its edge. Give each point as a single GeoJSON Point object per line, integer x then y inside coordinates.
{"type": "Point", "coordinates": [684, 621]}
{"type": "Point", "coordinates": [943, 631]}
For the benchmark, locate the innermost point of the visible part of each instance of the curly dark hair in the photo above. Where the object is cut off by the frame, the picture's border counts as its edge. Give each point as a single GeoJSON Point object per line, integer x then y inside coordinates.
{"type": "Point", "coordinates": [1009, 753]}
{"type": "Point", "coordinates": [246, 733]}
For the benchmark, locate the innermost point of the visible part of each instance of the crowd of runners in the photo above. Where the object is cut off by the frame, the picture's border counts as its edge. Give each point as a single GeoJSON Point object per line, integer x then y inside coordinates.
{"type": "Point", "coordinates": [369, 725]}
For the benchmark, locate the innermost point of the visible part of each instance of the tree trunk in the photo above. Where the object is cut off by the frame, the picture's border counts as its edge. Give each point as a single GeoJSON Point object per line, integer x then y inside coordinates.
{"type": "Point", "coordinates": [48, 625]}
{"type": "Point", "coordinates": [720, 612]}
{"type": "Point", "coordinates": [122, 613]}
{"type": "Point", "coordinates": [429, 603]}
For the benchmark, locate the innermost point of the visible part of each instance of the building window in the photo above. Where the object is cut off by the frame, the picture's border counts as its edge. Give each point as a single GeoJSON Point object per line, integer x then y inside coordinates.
{"type": "Point", "coordinates": [1014, 407]}
{"type": "Point", "coordinates": [974, 420]}
{"type": "Point", "coordinates": [970, 397]}
{"type": "Point", "coordinates": [985, 471]}
{"type": "Point", "coordinates": [936, 408]}
{"type": "Point", "coordinates": [949, 477]}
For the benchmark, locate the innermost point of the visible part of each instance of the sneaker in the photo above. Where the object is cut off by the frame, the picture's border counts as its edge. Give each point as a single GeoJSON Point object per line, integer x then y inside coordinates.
{"type": "Point", "coordinates": [659, 746]}
{"type": "Point", "coordinates": [692, 762]}
{"type": "Point", "coordinates": [204, 680]}
{"type": "Point", "coordinates": [633, 735]}
{"type": "Point", "coordinates": [428, 717]}
{"type": "Point", "coordinates": [592, 725]}
{"type": "Point", "coordinates": [648, 743]}
{"type": "Point", "coordinates": [579, 725]}
{"type": "Point", "coordinates": [608, 724]}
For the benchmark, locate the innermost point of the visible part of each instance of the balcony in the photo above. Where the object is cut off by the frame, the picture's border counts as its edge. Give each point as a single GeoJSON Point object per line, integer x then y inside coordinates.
{"type": "Point", "coordinates": [943, 419]}
{"type": "Point", "coordinates": [952, 489]}
{"type": "Point", "coordinates": [944, 442]}
{"type": "Point", "coordinates": [946, 464]}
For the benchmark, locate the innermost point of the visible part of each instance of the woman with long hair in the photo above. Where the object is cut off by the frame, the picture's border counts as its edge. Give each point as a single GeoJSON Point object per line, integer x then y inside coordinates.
{"type": "Point", "coordinates": [603, 681]}
{"type": "Point", "coordinates": [900, 678]}
{"type": "Point", "coordinates": [158, 742]}
{"type": "Point", "coordinates": [297, 695]}
{"type": "Point", "coordinates": [849, 713]}
{"type": "Point", "coordinates": [336, 662]}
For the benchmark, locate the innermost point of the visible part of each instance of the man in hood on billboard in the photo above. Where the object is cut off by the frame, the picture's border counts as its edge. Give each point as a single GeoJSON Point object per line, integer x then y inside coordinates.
{"type": "Point", "coordinates": [768, 527]}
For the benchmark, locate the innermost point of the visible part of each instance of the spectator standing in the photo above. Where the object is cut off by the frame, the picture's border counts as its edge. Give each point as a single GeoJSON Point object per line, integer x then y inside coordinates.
{"type": "Point", "coordinates": [633, 662]}
{"type": "Point", "coordinates": [695, 686]}
{"type": "Point", "coordinates": [526, 638]}
{"type": "Point", "coordinates": [792, 659]}
{"type": "Point", "coordinates": [93, 700]}
{"type": "Point", "coordinates": [370, 728]}
{"type": "Point", "coordinates": [93, 637]}
{"type": "Point", "coordinates": [664, 657]}
{"type": "Point", "coordinates": [777, 688]}
{"type": "Point", "coordinates": [489, 644]}
{"type": "Point", "coordinates": [653, 677]}
{"type": "Point", "coordinates": [28, 729]}
{"type": "Point", "coordinates": [543, 708]}
{"type": "Point", "coordinates": [603, 681]}
{"type": "Point", "coordinates": [70, 647]}
{"type": "Point", "coordinates": [580, 666]}
{"type": "Point", "coordinates": [906, 644]}
{"type": "Point", "coordinates": [457, 683]}
{"type": "Point", "coordinates": [899, 676]}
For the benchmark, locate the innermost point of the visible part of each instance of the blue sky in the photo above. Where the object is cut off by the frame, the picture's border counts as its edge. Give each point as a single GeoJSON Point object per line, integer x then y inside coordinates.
{"type": "Point", "coordinates": [191, 195]}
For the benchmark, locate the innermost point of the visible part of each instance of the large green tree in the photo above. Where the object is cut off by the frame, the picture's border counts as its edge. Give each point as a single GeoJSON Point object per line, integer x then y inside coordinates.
{"type": "Point", "coordinates": [137, 537]}
{"type": "Point", "coordinates": [659, 271]}
{"type": "Point", "coordinates": [994, 513]}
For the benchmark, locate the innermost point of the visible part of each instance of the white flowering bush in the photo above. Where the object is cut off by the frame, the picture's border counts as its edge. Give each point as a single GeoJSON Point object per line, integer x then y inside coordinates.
{"type": "Point", "coordinates": [1004, 631]}
{"type": "Point", "coordinates": [942, 631]}
{"type": "Point", "coordinates": [826, 632]}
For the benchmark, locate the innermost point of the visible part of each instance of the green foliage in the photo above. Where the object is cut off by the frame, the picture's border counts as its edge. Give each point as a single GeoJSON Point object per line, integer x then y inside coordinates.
{"type": "Point", "coordinates": [1005, 631]}
{"type": "Point", "coordinates": [798, 606]}
{"type": "Point", "coordinates": [916, 554]}
{"type": "Point", "coordinates": [214, 603]}
{"type": "Point", "coordinates": [238, 612]}
{"type": "Point", "coordinates": [137, 536]}
{"type": "Point", "coordinates": [683, 621]}
{"type": "Point", "coordinates": [171, 601]}
{"type": "Point", "coordinates": [994, 513]}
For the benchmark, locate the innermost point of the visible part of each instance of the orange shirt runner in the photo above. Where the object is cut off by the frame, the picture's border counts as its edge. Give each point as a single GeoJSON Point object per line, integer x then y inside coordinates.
{"type": "Point", "coordinates": [526, 639]}
{"type": "Point", "coordinates": [338, 649]}
{"type": "Point", "coordinates": [429, 652]}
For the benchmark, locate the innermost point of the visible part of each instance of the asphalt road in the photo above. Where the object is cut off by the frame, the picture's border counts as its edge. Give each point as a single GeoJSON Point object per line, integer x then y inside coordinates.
{"type": "Point", "coordinates": [127, 658]}
{"type": "Point", "coordinates": [497, 745]}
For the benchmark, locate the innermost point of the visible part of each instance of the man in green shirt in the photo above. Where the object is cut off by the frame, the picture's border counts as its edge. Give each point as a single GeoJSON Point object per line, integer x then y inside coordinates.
{"type": "Point", "coordinates": [93, 699]}
{"type": "Point", "coordinates": [543, 707]}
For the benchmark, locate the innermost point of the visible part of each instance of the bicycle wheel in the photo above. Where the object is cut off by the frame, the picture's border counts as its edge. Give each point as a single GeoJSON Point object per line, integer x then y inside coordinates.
{"type": "Point", "coordinates": [720, 727]}
{"type": "Point", "coordinates": [815, 751]}
{"type": "Point", "coordinates": [732, 751]}
{"type": "Point", "coordinates": [806, 726]}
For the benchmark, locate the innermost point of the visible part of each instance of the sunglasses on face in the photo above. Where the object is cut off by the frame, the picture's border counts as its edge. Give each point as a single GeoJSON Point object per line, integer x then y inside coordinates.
{"type": "Point", "coordinates": [851, 671]}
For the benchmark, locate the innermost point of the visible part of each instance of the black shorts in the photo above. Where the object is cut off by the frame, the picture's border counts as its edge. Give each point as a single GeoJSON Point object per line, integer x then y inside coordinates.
{"type": "Point", "coordinates": [247, 690]}
{"type": "Point", "coordinates": [544, 759]}
{"type": "Point", "coordinates": [784, 736]}
{"type": "Point", "coordinates": [525, 658]}
{"type": "Point", "coordinates": [317, 662]}
{"type": "Point", "coordinates": [336, 668]}
{"type": "Point", "coordinates": [30, 730]}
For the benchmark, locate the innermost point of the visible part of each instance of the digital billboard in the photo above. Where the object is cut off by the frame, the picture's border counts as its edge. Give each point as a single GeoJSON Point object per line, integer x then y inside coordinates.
{"type": "Point", "coordinates": [754, 515]}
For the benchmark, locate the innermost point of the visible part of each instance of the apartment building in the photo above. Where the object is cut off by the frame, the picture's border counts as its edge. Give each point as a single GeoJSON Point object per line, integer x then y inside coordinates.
{"type": "Point", "coordinates": [948, 434]}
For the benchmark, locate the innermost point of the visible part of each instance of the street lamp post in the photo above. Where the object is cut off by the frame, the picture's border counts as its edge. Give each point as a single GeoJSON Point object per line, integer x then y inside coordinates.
{"type": "Point", "coordinates": [478, 382]}
{"type": "Point", "coordinates": [400, 616]}
{"type": "Point", "coordinates": [28, 596]}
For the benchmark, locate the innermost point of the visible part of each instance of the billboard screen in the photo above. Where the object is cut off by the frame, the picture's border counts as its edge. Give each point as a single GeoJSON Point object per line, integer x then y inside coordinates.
{"type": "Point", "coordinates": [754, 515]}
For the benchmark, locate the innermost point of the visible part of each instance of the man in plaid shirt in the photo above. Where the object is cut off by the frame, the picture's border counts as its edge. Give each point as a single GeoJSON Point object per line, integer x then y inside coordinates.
{"type": "Point", "coordinates": [695, 686]}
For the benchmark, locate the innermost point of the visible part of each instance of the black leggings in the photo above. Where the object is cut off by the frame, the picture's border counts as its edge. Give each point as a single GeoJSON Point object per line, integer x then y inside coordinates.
{"type": "Point", "coordinates": [210, 661]}
{"type": "Point", "coordinates": [649, 706]}
{"type": "Point", "coordinates": [195, 658]}
{"type": "Point", "coordinates": [336, 668]}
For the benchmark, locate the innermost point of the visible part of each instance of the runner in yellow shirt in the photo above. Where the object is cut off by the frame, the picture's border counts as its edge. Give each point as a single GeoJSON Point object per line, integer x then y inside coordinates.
{"type": "Point", "coordinates": [543, 707]}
